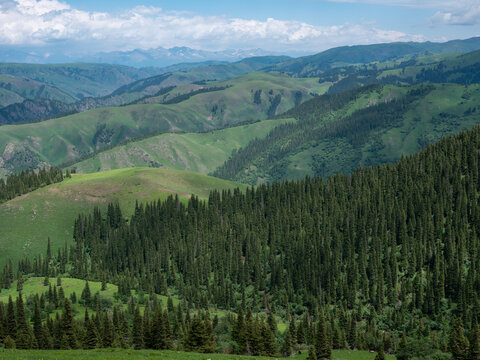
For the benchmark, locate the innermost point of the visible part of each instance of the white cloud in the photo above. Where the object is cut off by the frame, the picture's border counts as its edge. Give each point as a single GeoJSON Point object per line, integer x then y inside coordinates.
{"type": "Point", "coordinates": [463, 12]}
{"type": "Point", "coordinates": [31, 22]}
{"type": "Point", "coordinates": [449, 12]}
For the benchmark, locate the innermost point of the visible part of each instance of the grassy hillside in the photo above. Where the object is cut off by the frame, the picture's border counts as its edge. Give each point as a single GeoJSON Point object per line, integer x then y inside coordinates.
{"type": "Point", "coordinates": [65, 139]}
{"type": "Point", "coordinates": [199, 152]}
{"type": "Point", "coordinates": [338, 133]}
{"type": "Point", "coordinates": [14, 89]}
{"type": "Point", "coordinates": [117, 354]}
{"type": "Point", "coordinates": [27, 221]}
{"type": "Point", "coordinates": [198, 73]}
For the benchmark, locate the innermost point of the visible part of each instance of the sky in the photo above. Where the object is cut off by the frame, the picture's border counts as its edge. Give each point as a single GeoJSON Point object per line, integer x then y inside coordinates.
{"type": "Point", "coordinates": [280, 26]}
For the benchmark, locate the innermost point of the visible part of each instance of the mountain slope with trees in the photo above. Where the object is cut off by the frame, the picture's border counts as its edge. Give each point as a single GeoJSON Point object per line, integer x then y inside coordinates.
{"type": "Point", "coordinates": [28, 221]}
{"type": "Point", "coordinates": [384, 258]}
{"type": "Point", "coordinates": [315, 65]}
{"type": "Point", "coordinates": [365, 126]}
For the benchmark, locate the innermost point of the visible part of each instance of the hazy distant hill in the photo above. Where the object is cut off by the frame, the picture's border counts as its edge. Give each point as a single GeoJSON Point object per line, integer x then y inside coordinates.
{"type": "Point", "coordinates": [78, 80]}
{"type": "Point", "coordinates": [316, 64]}
{"type": "Point", "coordinates": [40, 108]}
{"type": "Point", "coordinates": [156, 57]}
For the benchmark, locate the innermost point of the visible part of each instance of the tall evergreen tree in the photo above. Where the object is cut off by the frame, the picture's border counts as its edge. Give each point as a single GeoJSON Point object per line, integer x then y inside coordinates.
{"type": "Point", "coordinates": [68, 327]}
{"type": "Point", "coordinates": [24, 338]}
{"type": "Point", "coordinates": [474, 353]}
{"type": "Point", "coordinates": [322, 342]}
{"type": "Point", "coordinates": [458, 342]}
{"type": "Point", "coordinates": [137, 330]}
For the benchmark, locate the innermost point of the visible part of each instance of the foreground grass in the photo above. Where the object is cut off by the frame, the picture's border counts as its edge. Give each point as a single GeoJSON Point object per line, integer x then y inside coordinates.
{"type": "Point", "coordinates": [28, 221]}
{"type": "Point", "coordinates": [111, 354]}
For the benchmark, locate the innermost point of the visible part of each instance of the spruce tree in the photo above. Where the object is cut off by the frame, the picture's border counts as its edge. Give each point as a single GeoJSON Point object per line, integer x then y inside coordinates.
{"type": "Point", "coordinates": [137, 330]}
{"type": "Point", "coordinates": [402, 348]}
{"type": "Point", "coordinates": [269, 343]}
{"type": "Point", "coordinates": [380, 355]}
{"type": "Point", "coordinates": [24, 338]}
{"type": "Point", "coordinates": [86, 294]}
{"type": "Point", "coordinates": [322, 343]}
{"type": "Point", "coordinates": [108, 332]}
{"type": "Point", "coordinates": [37, 326]}
{"type": "Point", "coordinates": [287, 344]}
{"type": "Point", "coordinates": [312, 355]}
{"type": "Point", "coordinates": [474, 353]}
{"type": "Point", "coordinates": [458, 341]}
{"type": "Point", "coordinates": [9, 343]}
{"type": "Point", "coordinates": [67, 326]}
{"type": "Point", "coordinates": [91, 336]}
{"type": "Point", "coordinates": [11, 328]}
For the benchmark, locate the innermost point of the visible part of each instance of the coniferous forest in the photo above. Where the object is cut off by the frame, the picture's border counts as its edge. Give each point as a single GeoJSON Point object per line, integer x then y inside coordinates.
{"type": "Point", "coordinates": [385, 258]}
{"type": "Point", "coordinates": [16, 185]}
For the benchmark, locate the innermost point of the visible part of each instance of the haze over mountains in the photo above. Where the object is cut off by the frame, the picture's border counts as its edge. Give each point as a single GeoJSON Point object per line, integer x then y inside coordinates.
{"type": "Point", "coordinates": [157, 57]}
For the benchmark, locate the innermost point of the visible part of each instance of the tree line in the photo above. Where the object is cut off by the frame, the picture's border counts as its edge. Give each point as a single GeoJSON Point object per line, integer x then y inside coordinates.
{"type": "Point", "coordinates": [28, 180]}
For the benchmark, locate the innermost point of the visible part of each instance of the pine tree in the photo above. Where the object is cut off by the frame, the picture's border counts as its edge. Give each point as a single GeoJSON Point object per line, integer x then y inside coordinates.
{"type": "Point", "coordinates": [474, 353]}
{"type": "Point", "coordinates": [312, 355]}
{"type": "Point", "coordinates": [402, 348]}
{"type": "Point", "coordinates": [137, 330]}
{"type": "Point", "coordinates": [322, 343]}
{"type": "Point", "coordinates": [458, 342]}
{"type": "Point", "coordinates": [287, 344]}
{"type": "Point", "coordinates": [86, 294]}
{"type": "Point", "coordinates": [24, 338]}
{"type": "Point", "coordinates": [269, 343]}
{"type": "Point", "coordinates": [91, 336]}
{"type": "Point", "coordinates": [209, 342]}
{"type": "Point", "coordinates": [68, 326]}
{"type": "Point", "coordinates": [200, 336]}
{"type": "Point", "coordinates": [108, 336]}
{"type": "Point", "coordinates": [11, 328]}
{"type": "Point", "coordinates": [9, 343]}
{"type": "Point", "coordinates": [37, 326]}
{"type": "Point", "coordinates": [380, 355]}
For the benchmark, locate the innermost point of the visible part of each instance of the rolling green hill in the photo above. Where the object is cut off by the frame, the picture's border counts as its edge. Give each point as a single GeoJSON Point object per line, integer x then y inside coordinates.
{"type": "Point", "coordinates": [78, 80]}
{"type": "Point", "coordinates": [337, 133]}
{"type": "Point", "coordinates": [69, 138]}
{"type": "Point", "coordinates": [27, 221]}
{"type": "Point", "coordinates": [200, 152]}
{"type": "Point", "coordinates": [14, 89]}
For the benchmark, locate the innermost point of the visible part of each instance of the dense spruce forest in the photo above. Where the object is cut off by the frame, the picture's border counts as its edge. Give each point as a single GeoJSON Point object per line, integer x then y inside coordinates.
{"type": "Point", "coordinates": [384, 258]}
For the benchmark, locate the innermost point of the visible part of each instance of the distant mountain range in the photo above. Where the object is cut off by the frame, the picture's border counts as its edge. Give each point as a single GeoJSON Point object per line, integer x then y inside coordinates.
{"type": "Point", "coordinates": [158, 57]}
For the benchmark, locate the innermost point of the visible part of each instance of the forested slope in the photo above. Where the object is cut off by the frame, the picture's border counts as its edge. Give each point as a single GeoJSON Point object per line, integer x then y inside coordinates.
{"type": "Point", "coordinates": [364, 126]}
{"type": "Point", "coordinates": [385, 251]}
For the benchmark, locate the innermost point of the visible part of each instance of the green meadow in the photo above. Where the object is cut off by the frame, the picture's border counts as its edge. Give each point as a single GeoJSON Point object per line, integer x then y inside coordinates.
{"type": "Point", "coordinates": [27, 221]}
{"type": "Point", "coordinates": [199, 152]}
{"type": "Point", "coordinates": [114, 354]}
